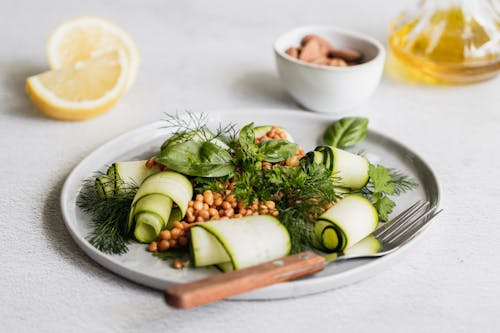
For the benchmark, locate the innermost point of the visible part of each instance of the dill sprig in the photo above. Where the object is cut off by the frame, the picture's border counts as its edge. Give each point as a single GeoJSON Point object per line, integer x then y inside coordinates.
{"type": "Point", "coordinates": [189, 122]}
{"type": "Point", "coordinates": [108, 215]}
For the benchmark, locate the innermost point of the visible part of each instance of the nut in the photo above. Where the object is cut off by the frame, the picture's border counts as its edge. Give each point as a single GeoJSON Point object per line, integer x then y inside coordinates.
{"type": "Point", "coordinates": [338, 62]}
{"type": "Point", "coordinates": [325, 46]}
{"type": "Point", "coordinates": [310, 51]}
{"type": "Point", "coordinates": [317, 50]}
{"type": "Point", "coordinates": [346, 54]}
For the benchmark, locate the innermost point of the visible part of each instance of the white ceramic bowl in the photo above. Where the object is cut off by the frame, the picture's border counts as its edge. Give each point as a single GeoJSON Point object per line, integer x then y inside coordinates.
{"type": "Point", "coordinates": [330, 89]}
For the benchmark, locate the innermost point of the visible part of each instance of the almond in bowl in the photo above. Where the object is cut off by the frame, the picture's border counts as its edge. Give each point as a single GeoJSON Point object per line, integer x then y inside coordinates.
{"type": "Point", "coordinates": [328, 69]}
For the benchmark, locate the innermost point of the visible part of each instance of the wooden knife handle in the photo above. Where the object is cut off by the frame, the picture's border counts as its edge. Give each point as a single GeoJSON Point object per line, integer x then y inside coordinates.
{"type": "Point", "coordinates": [220, 286]}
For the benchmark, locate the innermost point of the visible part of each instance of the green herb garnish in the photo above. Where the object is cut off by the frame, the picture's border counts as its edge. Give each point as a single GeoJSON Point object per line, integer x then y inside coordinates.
{"type": "Point", "coordinates": [109, 215]}
{"type": "Point", "coordinates": [346, 132]}
{"type": "Point", "coordinates": [383, 183]}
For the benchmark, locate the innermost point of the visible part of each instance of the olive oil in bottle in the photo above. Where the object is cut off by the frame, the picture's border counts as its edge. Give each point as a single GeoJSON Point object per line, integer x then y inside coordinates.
{"type": "Point", "coordinates": [449, 41]}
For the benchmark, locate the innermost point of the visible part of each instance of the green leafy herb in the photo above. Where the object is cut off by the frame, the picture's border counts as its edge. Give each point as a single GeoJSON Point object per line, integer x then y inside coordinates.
{"type": "Point", "coordinates": [383, 205]}
{"type": "Point", "coordinates": [277, 150]}
{"type": "Point", "coordinates": [194, 158]}
{"type": "Point", "coordinates": [346, 132]}
{"type": "Point", "coordinates": [109, 215]}
{"type": "Point", "coordinates": [193, 126]}
{"type": "Point", "coordinates": [383, 183]}
{"type": "Point", "coordinates": [381, 179]}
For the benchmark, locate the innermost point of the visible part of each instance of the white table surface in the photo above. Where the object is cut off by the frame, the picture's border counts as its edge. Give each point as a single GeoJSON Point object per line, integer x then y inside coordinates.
{"type": "Point", "coordinates": [207, 55]}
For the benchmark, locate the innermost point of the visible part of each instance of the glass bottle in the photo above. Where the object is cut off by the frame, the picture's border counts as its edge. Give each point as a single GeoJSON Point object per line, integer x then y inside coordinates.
{"type": "Point", "coordinates": [451, 41]}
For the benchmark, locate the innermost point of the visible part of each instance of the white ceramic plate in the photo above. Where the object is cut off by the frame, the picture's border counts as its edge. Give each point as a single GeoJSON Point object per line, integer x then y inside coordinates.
{"type": "Point", "coordinates": [140, 266]}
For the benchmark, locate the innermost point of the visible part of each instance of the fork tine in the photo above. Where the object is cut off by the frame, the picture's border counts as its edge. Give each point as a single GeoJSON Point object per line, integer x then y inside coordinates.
{"type": "Point", "coordinates": [403, 224]}
{"type": "Point", "coordinates": [396, 222]}
{"type": "Point", "coordinates": [415, 226]}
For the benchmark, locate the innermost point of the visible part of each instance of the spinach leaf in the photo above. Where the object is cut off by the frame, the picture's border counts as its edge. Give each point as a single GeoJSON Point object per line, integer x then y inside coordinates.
{"type": "Point", "coordinates": [277, 150]}
{"type": "Point", "coordinates": [346, 132]}
{"type": "Point", "coordinates": [194, 158]}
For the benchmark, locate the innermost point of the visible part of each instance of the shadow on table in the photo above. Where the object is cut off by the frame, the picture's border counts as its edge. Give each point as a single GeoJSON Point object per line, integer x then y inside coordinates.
{"type": "Point", "coordinates": [60, 239]}
{"type": "Point", "coordinates": [13, 83]}
{"type": "Point", "coordinates": [263, 86]}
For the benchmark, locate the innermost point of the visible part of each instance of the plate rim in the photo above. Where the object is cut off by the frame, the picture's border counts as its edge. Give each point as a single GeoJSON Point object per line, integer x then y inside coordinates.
{"type": "Point", "coordinates": [277, 291]}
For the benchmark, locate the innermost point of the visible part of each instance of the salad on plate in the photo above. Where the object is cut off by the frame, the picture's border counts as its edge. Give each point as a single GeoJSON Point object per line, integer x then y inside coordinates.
{"type": "Point", "coordinates": [236, 197]}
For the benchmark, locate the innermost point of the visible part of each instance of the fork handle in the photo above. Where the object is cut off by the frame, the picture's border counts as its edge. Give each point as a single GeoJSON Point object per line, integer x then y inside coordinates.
{"type": "Point", "coordinates": [221, 286]}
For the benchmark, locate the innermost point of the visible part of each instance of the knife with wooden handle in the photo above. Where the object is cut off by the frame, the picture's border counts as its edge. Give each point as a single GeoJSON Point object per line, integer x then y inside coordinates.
{"type": "Point", "coordinates": [221, 286]}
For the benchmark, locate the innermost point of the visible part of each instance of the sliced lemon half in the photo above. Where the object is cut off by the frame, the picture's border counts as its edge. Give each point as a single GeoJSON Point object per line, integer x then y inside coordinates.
{"type": "Point", "coordinates": [80, 91]}
{"type": "Point", "coordinates": [84, 37]}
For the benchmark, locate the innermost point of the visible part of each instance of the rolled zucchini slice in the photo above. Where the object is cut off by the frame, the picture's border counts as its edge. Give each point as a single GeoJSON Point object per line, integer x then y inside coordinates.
{"type": "Point", "coordinates": [239, 243]}
{"type": "Point", "coordinates": [347, 169]}
{"type": "Point", "coordinates": [346, 223]}
{"type": "Point", "coordinates": [152, 206]}
{"type": "Point", "coordinates": [121, 175]}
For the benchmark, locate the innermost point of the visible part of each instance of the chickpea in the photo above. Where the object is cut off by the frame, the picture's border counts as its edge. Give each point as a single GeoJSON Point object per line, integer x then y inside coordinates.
{"type": "Point", "coordinates": [153, 247]}
{"type": "Point", "coordinates": [234, 204]}
{"type": "Point", "coordinates": [218, 201]}
{"type": "Point", "coordinates": [237, 216]}
{"type": "Point", "coordinates": [172, 242]}
{"type": "Point", "coordinates": [200, 219]}
{"type": "Point", "coordinates": [177, 264]}
{"type": "Point", "coordinates": [163, 245]}
{"type": "Point", "coordinates": [165, 235]}
{"type": "Point", "coordinates": [191, 218]}
{"type": "Point", "coordinates": [198, 205]}
{"type": "Point", "coordinates": [178, 225]}
{"type": "Point", "coordinates": [204, 214]}
{"type": "Point", "coordinates": [190, 203]}
{"type": "Point", "coordinates": [226, 205]}
{"type": "Point", "coordinates": [185, 225]}
{"type": "Point", "coordinates": [199, 197]}
{"type": "Point", "coordinates": [270, 204]}
{"type": "Point", "coordinates": [175, 233]}
{"type": "Point", "coordinates": [205, 206]}
{"type": "Point", "coordinates": [248, 212]}
{"type": "Point", "coordinates": [229, 212]}
{"type": "Point", "coordinates": [208, 197]}
{"type": "Point", "coordinates": [275, 213]}
{"type": "Point", "coordinates": [213, 212]}
{"type": "Point", "coordinates": [242, 211]}
{"type": "Point", "coordinates": [230, 198]}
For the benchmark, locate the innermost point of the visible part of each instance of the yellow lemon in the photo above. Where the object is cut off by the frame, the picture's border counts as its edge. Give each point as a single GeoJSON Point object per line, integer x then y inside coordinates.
{"type": "Point", "coordinates": [82, 90]}
{"type": "Point", "coordinates": [85, 37]}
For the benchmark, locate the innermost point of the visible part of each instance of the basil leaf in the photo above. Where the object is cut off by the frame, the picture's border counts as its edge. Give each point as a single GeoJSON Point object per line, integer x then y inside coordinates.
{"type": "Point", "coordinates": [193, 158]}
{"type": "Point", "coordinates": [277, 150]}
{"type": "Point", "coordinates": [346, 132]}
{"type": "Point", "coordinates": [247, 138]}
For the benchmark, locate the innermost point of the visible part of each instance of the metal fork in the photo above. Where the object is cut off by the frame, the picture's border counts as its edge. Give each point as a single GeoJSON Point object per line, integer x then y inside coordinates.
{"type": "Point", "coordinates": [386, 239]}
{"type": "Point", "coordinates": [393, 234]}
